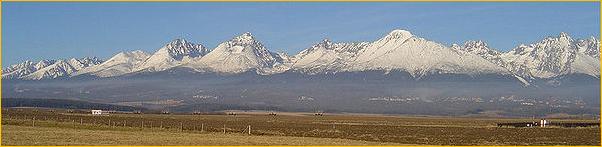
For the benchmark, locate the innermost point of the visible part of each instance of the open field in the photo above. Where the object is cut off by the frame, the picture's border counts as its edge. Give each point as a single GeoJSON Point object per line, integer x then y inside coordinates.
{"type": "Point", "coordinates": [306, 128]}
{"type": "Point", "coordinates": [26, 135]}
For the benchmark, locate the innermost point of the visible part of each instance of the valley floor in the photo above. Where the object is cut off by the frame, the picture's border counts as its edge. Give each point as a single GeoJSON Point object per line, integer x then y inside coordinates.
{"type": "Point", "coordinates": [58, 127]}
{"type": "Point", "coordinates": [27, 135]}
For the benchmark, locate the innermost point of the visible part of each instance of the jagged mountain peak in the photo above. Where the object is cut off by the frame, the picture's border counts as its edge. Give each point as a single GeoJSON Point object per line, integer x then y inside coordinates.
{"type": "Point", "coordinates": [125, 55]}
{"type": "Point", "coordinates": [590, 47]}
{"type": "Point", "coordinates": [242, 53]}
{"type": "Point", "coordinates": [478, 47]}
{"type": "Point", "coordinates": [242, 43]}
{"type": "Point", "coordinates": [402, 51]}
{"type": "Point", "coordinates": [90, 60]}
{"type": "Point", "coordinates": [174, 53]}
{"type": "Point", "coordinates": [244, 38]}
{"type": "Point", "coordinates": [398, 50]}
{"type": "Point", "coordinates": [554, 56]}
{"type": "Point", "coordinates": [398, 34]}
{"type": "Point", "coordinates": [475, 44]}
{"type": "Point", "coordinates": [132, 53]}
{"type": "Point", "coordinates": [50, 69]}
{"type": "Point", "coordinates": [562, 39]}
{"type": "Point", "coordinates": [121, 63]}
{"type": "Point", "coordinates": [180, 43]}
{"type": "Point", "coordinates": [43, 63]}
{"type": "Point", "coordinates": [246, 35]}
{"type": "Point", "coordinates": [564, 35]}
{"type": "Point", "coordinates": [325, 42]}
{"type": "Point", "coordinates": [23, 64]}
{"type": "Point", "coordinates": [178, 48]}
{"type": "Point", "coordinates": [81, 63]}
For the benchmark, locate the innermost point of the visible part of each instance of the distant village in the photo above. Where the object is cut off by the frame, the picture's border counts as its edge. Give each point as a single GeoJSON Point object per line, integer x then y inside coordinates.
{"type": "Point", "coordinates": [555, 102]}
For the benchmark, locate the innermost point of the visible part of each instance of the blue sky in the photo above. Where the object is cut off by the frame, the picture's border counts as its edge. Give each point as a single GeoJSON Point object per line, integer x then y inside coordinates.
{"type": "Point", "coordinates": [34, 31]}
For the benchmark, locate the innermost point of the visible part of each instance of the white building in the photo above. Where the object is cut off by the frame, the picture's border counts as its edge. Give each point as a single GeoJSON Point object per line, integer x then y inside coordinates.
{"type": "Point", "coordinates": [543, 122]}
{"type": "Point", "coordinates": [96, 112]}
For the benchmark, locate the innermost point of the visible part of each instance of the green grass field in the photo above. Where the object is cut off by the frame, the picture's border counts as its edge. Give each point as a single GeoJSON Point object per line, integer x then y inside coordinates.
{"type": "Point", "coordinates": [21, 128]}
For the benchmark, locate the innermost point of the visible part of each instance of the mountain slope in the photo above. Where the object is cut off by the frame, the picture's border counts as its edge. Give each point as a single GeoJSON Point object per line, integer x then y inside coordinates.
{"type": "Point", "coordinates": [22, 69]}
{"type": "Point", "coordinates": [400, 50]}
{"type": "Point", "coordinates": [120, 64]}
{"type": "Point", "coordinates": [62, 68]}
{"type": "Point", "coordinates": [240, 54]}
{"type": "Point", "coordinates": [174, 53]}
{"type": "Point", "coordinates": [553, 57]}
{"type": "Point", "coordinates": [480, 48]}
{"type": "Point", "coordinates": [327, 57]}
{"type": "Point", "coordinates": [589, 47]}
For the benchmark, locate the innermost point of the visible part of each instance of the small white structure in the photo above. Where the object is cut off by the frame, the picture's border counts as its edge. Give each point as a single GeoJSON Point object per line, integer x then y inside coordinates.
{"type": "Point", "coordinates": [96, 112]}
{"type": "Point", "coordinates": [543, 122]}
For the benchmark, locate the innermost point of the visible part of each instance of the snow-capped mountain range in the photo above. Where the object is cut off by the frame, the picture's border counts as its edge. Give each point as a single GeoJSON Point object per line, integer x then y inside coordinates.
{"type": "Point", "coordinates": [48, 69]}
{"type": "Point", "coordinates": [397, 51]}
{"type": "Point", "coordinates": [240, 54]}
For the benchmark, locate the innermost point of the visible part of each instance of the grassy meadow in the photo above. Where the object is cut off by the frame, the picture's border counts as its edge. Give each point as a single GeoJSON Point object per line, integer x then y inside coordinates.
{"type": "Point", "coordinates": [59, 127]}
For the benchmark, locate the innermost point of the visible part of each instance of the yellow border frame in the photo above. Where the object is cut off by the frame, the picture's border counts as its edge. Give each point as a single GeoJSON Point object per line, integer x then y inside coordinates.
{"type": "Point", "coordinates": [1, 1]}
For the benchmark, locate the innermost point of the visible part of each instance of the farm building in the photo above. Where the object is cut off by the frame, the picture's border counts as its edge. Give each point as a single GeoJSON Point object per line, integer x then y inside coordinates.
{"type": "Point", "coordinates": [96, 112]}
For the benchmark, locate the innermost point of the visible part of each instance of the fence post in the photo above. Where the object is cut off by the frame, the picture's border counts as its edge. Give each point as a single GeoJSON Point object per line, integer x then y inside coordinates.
{"type": "Point", "coordinates": [81, 121]}
{"type": "Point", "coordinates": [249, 129]}
{"type": "Point", "coordinates": [33, 121]}
{"type": "Point", "coordinates": [161, 126]}
{"type": "Point", "coordinates": [202, 127]}
{"type": "Point", "coordinates": [224, 128]}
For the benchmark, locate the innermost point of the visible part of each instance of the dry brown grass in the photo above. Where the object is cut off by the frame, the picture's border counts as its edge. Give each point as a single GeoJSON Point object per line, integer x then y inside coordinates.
{"type": "Point", "coordinates": [393, 129]}
{"type": "Point", "coordinates": [25, 135]}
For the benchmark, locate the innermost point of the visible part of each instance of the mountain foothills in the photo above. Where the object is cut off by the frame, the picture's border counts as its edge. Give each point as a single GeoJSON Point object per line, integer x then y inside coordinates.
{"type": "Point", "coordinates": [399, 51]}
{"type": "Point", "coordinates": [398, 73]}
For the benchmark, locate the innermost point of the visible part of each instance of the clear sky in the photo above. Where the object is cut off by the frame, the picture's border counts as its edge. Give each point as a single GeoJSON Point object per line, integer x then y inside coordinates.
{"type": "Point", "coordinates": [34, 31]}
